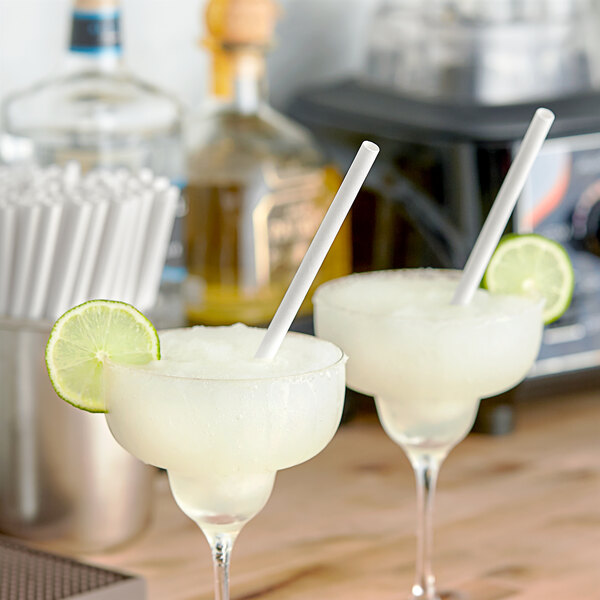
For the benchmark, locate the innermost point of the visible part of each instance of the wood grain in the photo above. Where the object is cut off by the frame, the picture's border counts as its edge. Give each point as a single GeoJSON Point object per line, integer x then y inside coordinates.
{"type": "Point", "coordinates": [518, 518]}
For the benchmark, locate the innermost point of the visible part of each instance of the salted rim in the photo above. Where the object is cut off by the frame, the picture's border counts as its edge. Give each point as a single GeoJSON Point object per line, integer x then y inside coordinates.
{"type": "Point", "coordinates": [416, 273]}
{"type": "Point", "coordinates": [342, 358]}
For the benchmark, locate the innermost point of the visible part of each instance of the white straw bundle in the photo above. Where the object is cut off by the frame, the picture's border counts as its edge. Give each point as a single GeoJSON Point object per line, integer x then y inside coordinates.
{"type": "Point", "coordinates": [66, 237]}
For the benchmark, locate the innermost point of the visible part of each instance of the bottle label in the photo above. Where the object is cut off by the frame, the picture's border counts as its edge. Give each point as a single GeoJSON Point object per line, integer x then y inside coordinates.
{"type": "Point", "coordinates": [245, 240]}
{"type": "Point", "coordinates": [95, 32]}
{"type": "Point", "coordinates": [256, 232]}
{"type": "Point", "coordinates": [282, 223]}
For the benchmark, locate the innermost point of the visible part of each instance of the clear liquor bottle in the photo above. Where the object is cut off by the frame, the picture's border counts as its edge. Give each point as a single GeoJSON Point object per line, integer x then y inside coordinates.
{"type": "Point", "coordinates": [258, 186]}
{"type": "Point", "coordinates": [99, 114]}
{"type": "Point", "coordinates": [96, 111]}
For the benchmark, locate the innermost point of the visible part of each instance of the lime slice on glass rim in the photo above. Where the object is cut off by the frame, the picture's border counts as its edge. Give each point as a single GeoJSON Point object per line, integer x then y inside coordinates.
{"type": "Point", "coordinates": [84, 337]}
{"type": "Point", "coordinates": [532, 265]}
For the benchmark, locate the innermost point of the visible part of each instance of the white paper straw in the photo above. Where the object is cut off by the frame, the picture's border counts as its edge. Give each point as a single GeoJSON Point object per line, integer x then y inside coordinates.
{"type": "Point", "coordinates": [7, 240]}
{"type": "Point", "coordinates": [28, 219]}
{"type": "Point", "coordinates": [74, 226]}
{"type": "Point", "coordinates": [66, 237]}
{"type": "Point", "coordinates": [139, 241]}
{"type": "Point", "coordinates": [90, 252]}
{"type": "Point", "coordinates": [109, 253]}
{"type": "Point", "coordinates": [156, 245]}
{"type": "Point", "coordinates": [125, 249]}
{"type": "Point", "coordinates": [44, 259]}
{"type": "Point", "coordinates": [503, 206]}
{"type": "Point", "coordinates": [318, 249]}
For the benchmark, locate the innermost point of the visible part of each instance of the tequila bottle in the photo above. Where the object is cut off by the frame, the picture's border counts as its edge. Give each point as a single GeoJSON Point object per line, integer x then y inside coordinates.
{"type": "Point", "coordinates": [258, 186]}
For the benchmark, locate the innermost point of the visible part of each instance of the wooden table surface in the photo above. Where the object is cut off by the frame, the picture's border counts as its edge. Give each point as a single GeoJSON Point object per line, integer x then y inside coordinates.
{"type": "Point", "coordinates": [518, 517]}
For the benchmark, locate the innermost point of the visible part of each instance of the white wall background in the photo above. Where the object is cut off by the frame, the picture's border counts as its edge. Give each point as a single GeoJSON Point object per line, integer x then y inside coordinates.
{"type": "Point", "coordinates": [317, 40]}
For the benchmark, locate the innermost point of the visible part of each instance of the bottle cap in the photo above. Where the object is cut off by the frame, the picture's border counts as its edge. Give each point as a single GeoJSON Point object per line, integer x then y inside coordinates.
{"type": "Point", "coordinates": [241, 22]}
{"type": "Point", "coordinates": [236, 29]}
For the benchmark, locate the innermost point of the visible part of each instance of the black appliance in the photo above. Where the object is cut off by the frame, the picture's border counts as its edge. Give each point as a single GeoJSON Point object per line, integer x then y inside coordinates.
{"type": "Point", "coordinates": [440, 168]}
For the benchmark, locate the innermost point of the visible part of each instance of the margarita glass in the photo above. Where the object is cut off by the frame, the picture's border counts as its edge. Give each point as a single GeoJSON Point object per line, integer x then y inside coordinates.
{"type": "Point", "coordinates": [222, 423]}
{"type": "Point", "coordinates": [427, 363]}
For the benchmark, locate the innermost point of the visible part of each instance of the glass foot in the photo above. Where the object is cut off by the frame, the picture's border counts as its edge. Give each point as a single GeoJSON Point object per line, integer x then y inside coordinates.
{"type": "Point", "coordinates": [442, 595]}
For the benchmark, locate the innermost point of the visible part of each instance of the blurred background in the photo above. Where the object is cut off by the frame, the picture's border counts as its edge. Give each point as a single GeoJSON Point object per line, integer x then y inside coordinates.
{"type": "Point", "coordinates": [203, 170]}
{"type": "Point", "coordinates": [324, 39]}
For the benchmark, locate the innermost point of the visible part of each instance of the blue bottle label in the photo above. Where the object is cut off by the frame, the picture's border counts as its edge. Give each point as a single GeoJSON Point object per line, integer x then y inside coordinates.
{"type": "Point", "coordinates": [96, 32]}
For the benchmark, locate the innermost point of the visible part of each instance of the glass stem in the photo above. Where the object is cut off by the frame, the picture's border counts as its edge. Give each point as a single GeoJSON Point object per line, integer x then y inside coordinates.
{"type": "Point", "coordinates": [221, 545]}
{"type": "Point", "coordinates": [426, 469]}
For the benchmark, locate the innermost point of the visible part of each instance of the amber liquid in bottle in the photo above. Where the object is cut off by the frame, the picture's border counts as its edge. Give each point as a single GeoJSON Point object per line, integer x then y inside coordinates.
{"type": "Point", "coordinates": [240, 264]}
{"type": "Point", "coordinates": [258, 188]}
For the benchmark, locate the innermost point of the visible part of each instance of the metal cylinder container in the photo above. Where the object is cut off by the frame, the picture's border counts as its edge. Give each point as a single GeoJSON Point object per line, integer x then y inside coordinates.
{"type": "Point", "coordinates": [62, 475]}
